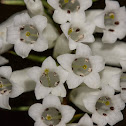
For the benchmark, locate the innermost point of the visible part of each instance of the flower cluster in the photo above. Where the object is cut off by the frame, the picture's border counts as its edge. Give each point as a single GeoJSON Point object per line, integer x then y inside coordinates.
{"type": "Point", "coordinates": [80, 68]}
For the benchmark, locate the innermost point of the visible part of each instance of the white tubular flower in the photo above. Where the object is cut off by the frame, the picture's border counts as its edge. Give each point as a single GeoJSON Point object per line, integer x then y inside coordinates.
{"type": "Point", "coordinates": [61, 46]}
{"type": "Point", "coordinates": [111, 76]}
{"type": "Point", "coordinates": [7, 87]}
{"type": "Point", "coordinates": [112, 53]}
{"type": "Point", "coordinates": [84, 121]}
{"type": "Point", "coordinates": [21, 78]}
{"type": "Point", "coordinates": [26, 34]}
{"type": "Point", "coordinates": [82, 67]}
{"type": "Point", "coordinates": [51, 112]}
{"type": "Point", "coordinates": [50, 33]}
{"type": "Point", "coordinates": [78, 94]}
{"type": "Point", "coordinates": [65, 9]}
{"type": "Point", "coordinates": [113, 22]}
{"type": "Point", "coordinates": [78, 31]}
{"type": "Point", "coordinates": [105, 107]}
{"type": "Point", "coordinates": [49, 79]}
{"type": "Point", "coordinates": [35, 7]}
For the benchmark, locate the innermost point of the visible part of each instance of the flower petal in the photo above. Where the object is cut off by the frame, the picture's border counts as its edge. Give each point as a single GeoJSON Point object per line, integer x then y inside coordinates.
{"type": "Point", "coordinates": [66, 60]}
{"type": "Point", "coordinates": [34, 73]}
{"type": "Point", "coordinates": [74, 80]}
{"type": "Point", "coordinates": [6, 71]}
{"type": "Point", "coordinates": [51, 101]}
{"type": "Point", "coordinates": [59, 91]}
{"type": "Point", "coordinates": [67, 113]}
{"type": "Point", "coordinates": [3, 60]}
{"type": "Point", "coordinates": [85, 4]}
{"type": "Point", "coordinates": [61, 16]}
{"type": "Point", "coordinates": [86, 120]}
{"type": "Point", "coordinates": [41, 91]}
{"type": "Point", "coordinates": [92, 80]}
{"type": "Point", "coordinates": [83, 50]}
{"type": "Point", "coordinates": [22, 49]}
{"type": "Point", "coordinates": [54, 4]}
{"type": "Point", "coordinates": [72, 44]}
{"type": "Point", "coordinates": [4, 101]}
{"type": "Point", "coordinates": [97, 63]}
{"type": "Point", "coordinates": [35, 111]}
{"type": "Point", "coordinates": [49, 63]}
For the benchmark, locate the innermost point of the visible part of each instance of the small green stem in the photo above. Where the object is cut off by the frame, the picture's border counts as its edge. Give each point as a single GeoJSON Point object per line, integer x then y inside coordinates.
{"type": "Point", "coordinates": [22, 108]}
{"type": "Point", "coordinates": [32, 57]}
{"type": "Point", "coordinates": [13, 2]}
{"type": "Point", "coordinates": [76, 117]}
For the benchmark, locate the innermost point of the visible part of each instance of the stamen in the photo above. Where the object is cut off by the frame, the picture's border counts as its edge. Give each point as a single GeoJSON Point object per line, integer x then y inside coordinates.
{"type": "Point", "coordinates": [66, 1]}
{"type": "Point", "coordinates": [117, 23]}
{"type": "Point", "coordinates": [111, 30]}
{"type": "Point", "coordinates": [104, 114]}
{"type": "Point", "coordinates": [70, 31]}
{"type": "Point", "coordinates": [72, 1]}
{"type": "Point", "coordinates": [112, 108]}
{"type": "Point", "coordinates": [112, 15]}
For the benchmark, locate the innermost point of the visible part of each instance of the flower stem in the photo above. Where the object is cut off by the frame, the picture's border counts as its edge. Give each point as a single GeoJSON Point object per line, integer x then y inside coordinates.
{"type": "Point", "coordinates": [22, 108]}
{"type": "Point", "coordinates": [32, 57]}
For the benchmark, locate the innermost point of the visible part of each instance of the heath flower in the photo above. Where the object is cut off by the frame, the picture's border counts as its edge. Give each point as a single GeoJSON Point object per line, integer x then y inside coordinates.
{"type": "Point", "coordinates": [26, 34]}
{"type": "Point", "coordinates": [49, 79]}
{"type": "Point", "coordinates": [82, 67]}
{"type": "Point", "coordinates": [51, 112]}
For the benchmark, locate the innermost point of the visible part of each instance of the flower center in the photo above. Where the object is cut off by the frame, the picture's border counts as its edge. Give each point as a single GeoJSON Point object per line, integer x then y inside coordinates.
{"type": "Point", "coordinates": [28, 34]}
{"type": "Point", "coordinates": [104, 105]}
{"type": "Point", "coordinates": [76, 34]}
{"type": "Point", "coordinates": [49, 78]}
{"type": "Point", "coordinates": [110, 19]}
{"type": "Point", "coordinates": [5, 85]}
{"type": "Point", "coordinates": [81, 66]}
{"type": "Point", "coordinates": [51, 116]}
{"type": "Point", "coordinates": [69, 5]}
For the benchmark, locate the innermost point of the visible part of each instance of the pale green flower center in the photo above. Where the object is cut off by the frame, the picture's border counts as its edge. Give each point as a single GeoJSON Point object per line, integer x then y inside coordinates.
{"type": "Point", "coordinates": [49, 78]}
{"type": "Point", "coordinates": [28, 34]}
{"type": "Point", "coordinates": [69, 5]}
{"type": "Point", "coordinates": [51, 116]}
{"type": "Point", "coordinates": [81, 66]}
{"type": "Point", "coordinates": [104, 105]}
{"type": "Point", "coordinates": [75, 34]}
{"type": "Point", "coordinates": [5, 85]}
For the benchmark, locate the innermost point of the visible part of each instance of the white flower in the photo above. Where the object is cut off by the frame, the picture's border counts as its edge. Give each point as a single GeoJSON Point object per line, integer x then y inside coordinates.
{"type": "Point", "coordinates": [51, 112]}
{"type": "Point", "coordinates": [8, 89]}
{"type": "Point", "coordinates": [78, 31]}
{"type": "Point", "coordinates": [78, 94]}
{"type": "Point", "coordinates": [49, 79]}
{"type": "Point", "coordinates": [61, 46]}
{"type": "Point", "coordinates": [65, 9]}
{"type": "Point", "coordinates": [50, 33]}
{"type": "Point", "coordinates": [35, 7]}
{"type": "Point", "coordinates": [82, 67]}
{"type": "Point", "coordinates": [111, 76]}
{"type": "Point", "coordinates": [113, 22]}
{"type": "Point", "coordinates": [112, 53]}
{"type": "Point", "coordinates": [3, 60]}
{"type": "Point", "coordinates": [26, 34]}
{"type": "Point", "coordinates": [105, 107]}
{"type": "Point", "coordinates": [84, 121]}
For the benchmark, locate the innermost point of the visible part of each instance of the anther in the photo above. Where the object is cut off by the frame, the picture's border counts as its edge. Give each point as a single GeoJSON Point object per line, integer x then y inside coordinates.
{"type": "Point", "coordinates": [111, 30]}
{"type": "Point", "coordinates": [89, 69]}
{"type": "Point", "coordinates": [123, 88]}
{"type": "Point", "coordinates": [104, 114]}
{"type": "Point", "coordinates": [22, 39]}
{"type": "Point", "coordinates": [77, 30]}
{"type": "Point", "coordinates": [21, 28]}
{"type": "Point", "coordinates": [112, 108]}
{"type": "Point", "coordinates": [117, 23]}
{"type": "Point", "coordinates": [68, 11]}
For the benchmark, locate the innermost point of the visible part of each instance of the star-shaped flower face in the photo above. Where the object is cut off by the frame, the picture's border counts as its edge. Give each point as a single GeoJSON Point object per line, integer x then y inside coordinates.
{"type": "Point", "coordinates": [7, 87]}
{"type": "Point", "coordinates": [105, 107]}
{"type": "Point", "coordinates": [65, 9]}
{"type": "Point", "coordinates": [113, 22]}
{"type": "Point", "coordinates": [82, 67]}
{"type": "Point", "coordinates": [49, 79]}
{"type": "Point", "coordinates": [26, 34]}
{"type": "Point", "coordinates": [78, 31]}
{"type": "Point", "coordinates": [51, 112]}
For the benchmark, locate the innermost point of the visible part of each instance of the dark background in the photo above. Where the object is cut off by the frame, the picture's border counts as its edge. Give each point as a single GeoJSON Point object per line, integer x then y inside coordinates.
{"type": "Point", "coordinates": [16, 118]}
